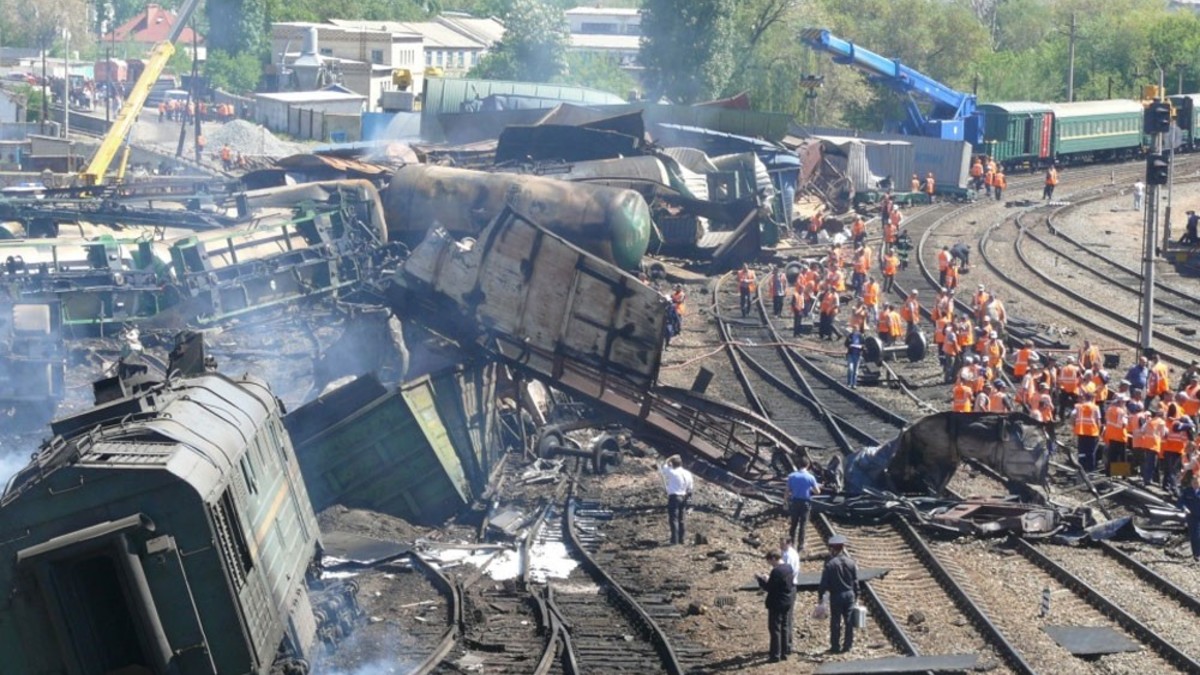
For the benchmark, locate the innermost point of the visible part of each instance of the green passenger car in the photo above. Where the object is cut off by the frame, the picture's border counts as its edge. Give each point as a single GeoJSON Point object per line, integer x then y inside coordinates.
{"type": "Point", "coordinates": [1018, 133]}
{"type": "Point", "coordinates": [1097, 129]}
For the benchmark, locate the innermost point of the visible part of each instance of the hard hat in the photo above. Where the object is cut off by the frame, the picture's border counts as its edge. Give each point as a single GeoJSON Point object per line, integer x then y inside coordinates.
{"type": "Point", "coordinates": [994, 335]}
{"type": "Point", "coordinates": [981, 287]}
{"type": "Point", "coordinates": [837, 540]}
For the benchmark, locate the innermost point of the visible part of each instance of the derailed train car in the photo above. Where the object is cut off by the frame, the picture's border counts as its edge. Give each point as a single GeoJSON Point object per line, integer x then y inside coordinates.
{"type": "Point", "coordinates": [611, 223]}
{"type": "Point", "coordinates": [167, 531]}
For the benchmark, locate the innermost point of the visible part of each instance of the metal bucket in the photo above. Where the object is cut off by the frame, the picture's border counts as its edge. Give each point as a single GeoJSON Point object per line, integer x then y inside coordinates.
{"type": "Point", "coordinates": [858, 616]}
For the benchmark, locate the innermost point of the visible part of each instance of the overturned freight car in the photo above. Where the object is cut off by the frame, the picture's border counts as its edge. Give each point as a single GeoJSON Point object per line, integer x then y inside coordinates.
{"type": "Point", "coordinates": [167, 531]}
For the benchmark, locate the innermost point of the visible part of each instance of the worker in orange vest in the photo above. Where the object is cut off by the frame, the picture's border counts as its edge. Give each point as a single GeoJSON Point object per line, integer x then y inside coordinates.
{"type": "Point", "coordinates": [778, 290]}
{"type": "Point", "coordinates": [929, 186]}
{"type": "Point", "coordinates": [829, 310]}
{"type": "Point", "coordinates": [1051, 181]}
{"type": "Point", "coordinates": [979, 303]}
{"type": "Point", "coordinates": [962, 398]}
{"type": "Point", "coordinates": [977, 174]}
{"type": "Point", "coordinates": [1158, 380]}
{"type": "Point", "coordinates": [943, 307]}
{"type": "Point", "coordinates": [951, 277]}
{"type": "Point", "coordinates": [943, 260]}
{"type": "Point", "coordinates": [1087, 431]}
{"type": "Point", "coordinates": [995, 351]}
{"type": "Point", "coordinates": [894, 323]}
{"type": "Point", "coordinates": [815, 223]}
{"type": "Point", "coordinates": [747, 287]}
{"type": "Point", "coordinates": [1179, 440]}
{"type": "Point", "coordinates": [802, 302]}
{"type": "Point", "coordinates": [884, 325]}
{"type": "Point", "coordinates": [862, 267]}
{"type": "Point", "coordinates": [1024, 355]}
{"type": "Point", "coordinates": [999, 183]}
{"type": "Point", "coordinates": [1044, 409]}
{"type": "Point", "coordinates": [951, 353]}
{"type": "Point", "coordinates": [915, 184]}
{"type": "Point", "coordinates": [1147, 442]}
{"type": "Point", "coordinates": [858, 316]}
{"type": "Point", "coordinates": [226, 157]}
{"type": "Point", "coordinates": [872, 294]}
{"type": "Point", "coordinates": [1116, 421]}
{"type": "Point", "coordinates": [1089, 356]}
{"type": "Point", "coordinates": [911, 311]}
{"type": "Point", "coordinates": [1069, 381]}
{"type": "Point", "coordinates": [858, 230]}
{"type": "Point", "coordinates": [679, 298]}
{"type": "Point", "coordinates": [1001, 401]}
{"type": "Point", "coordinates": [891, 265]}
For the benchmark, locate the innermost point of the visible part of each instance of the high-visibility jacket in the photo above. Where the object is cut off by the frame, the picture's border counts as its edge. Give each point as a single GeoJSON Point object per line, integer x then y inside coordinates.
{"type": "Point", "coordinates": [915, 183]}
{"type": "Point", "coordinates": [1149, 435]}
{"type": "Point", "coordinates": [829, 303]}
{"type": "Point", "coordinates": [895, 219]}
{"type": "Point", "coordinates": [1090, 358]}
{"type": "Point", "coordinates": [1116, 418]}
{"type": "Point", "coordinates": [950, 343]}
{"type": "Point", "coordinates": [999, 402]}
{"type": "Point", "coordinates": [837, 281]}
{"type": "Point", "coordinates": [989, 176]}
{"type": "Point", "coordinates": [746, 281]}
{"type": "Point", "coordinates": [1045, 409]}
{"type": "Point", "coordinates": [944, 258]}
{"type": "Point", "coordinates": [799, 300]}
{"type": "Point", "coordinates": [859, 228]}
{"type": "Point", "coordinates": [952, 277]}
{"type": "Point", "coordinates": [1158, 381]}
{"type": "Point", "coordinates": [910, 311]}
{"type": "Point", "coordinates": [884, 325]}
{"type": "Point", "coordinates": [1027, 391]}
{"type": "Point", "coordinates": [678, 298]}
{"type": "Point", "coordinates": [871, 294]}
{"type": "Point", "coordinates": [1087, 419]}
{"type": "Point", "coordinates": [1176, 439]}
{"type": "Point", "coordinates": [1191, 406]}
{"type": "Point", "coordinates": [962, 398]}
{"type": "Point", "coordinates": [999, 181]}
{"type": "Point", "coordinates": [1052, 177]}
{"type": "Point", "coordinates": [897, 327]}
{"type": "Point", "coordinates": [929, 184]}
{"type": "Point", "coordinates": [1134, 422]}
{"type": "Point", "coordinates": [977, 169]}
{"type": "Point", "coordinates": [889, 232]}
{"type": "Point", "coordinates": [982, 377]}
{"type": "Point", "coordinates": [862, 263]}
{"type": "Point", "coordinates": [1068, 379]}
{"type": "Point", "coordinates": [867, 256]}
{"type": "Point", "coordinates": [891, 263]}
{"type": "Point", "coordinates": [815, 222]}
{"type": "Point", "coordinates": [981, 300]}
{"type": "Point", "coordinates": [995, 353]}
{"type": "Point", "coordinates": [1021, 366]}
{"type": "Point", "coordinates": [939, 333]}
{"type": "Point", "coordinates": [858, 317]}
{"type": "Point", "coordinates": [966, 336]}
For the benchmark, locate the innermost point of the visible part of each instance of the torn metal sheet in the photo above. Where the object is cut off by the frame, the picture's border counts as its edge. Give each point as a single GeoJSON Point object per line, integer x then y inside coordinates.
{"type": "Point", "coordinates": [996, 517]}
{"type": "Point", "coordinates": [948, 663]}
{"type": "Point", "coordinates": [923, 458]}
{"type": "Point", "coordinates": [1089, 641]}
{"type": "Point", "coordinates": [352, 548]}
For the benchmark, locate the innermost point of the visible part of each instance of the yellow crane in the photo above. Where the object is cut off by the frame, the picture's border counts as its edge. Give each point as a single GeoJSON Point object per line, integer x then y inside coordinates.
{"type": "Point", "coordinates": [122, 125]}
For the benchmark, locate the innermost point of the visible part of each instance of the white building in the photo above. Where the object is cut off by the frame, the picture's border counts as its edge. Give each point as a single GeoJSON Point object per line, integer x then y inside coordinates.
{"type": "Point", "coordinates": [453, 42]}
{"type": "Point", "coordinates": [273, 110]}
{"type": "Point", "coordinates": [365, 57]}
{"type": "Point", "coordinates": [615, 32]}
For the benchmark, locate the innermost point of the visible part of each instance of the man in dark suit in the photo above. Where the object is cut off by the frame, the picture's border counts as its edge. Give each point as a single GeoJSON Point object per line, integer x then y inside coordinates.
{"type": "Point", "coordinates": [780, 586]}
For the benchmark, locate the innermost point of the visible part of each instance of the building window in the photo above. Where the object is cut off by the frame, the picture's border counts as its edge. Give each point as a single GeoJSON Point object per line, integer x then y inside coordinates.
{"type": "Point", "coordinates": [441, 57]}
{"type": "Point", "coordinates": [428, 59]}
{"type": "Point", "coordinates": [599, 28]}
{"type": "Point", "coordinates": [377, 56]}
{"type": "Point", "coordinates": [633, 29]}
{"type": "Point", "coordinates": [326, 51]}
{"type": "Point", "coordinates": [461, 58]}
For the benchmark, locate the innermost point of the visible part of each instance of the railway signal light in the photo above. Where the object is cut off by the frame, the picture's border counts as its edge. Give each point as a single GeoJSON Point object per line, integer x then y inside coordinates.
{"type": "Point", "coordinates": [1187, 113]}
{"type": "Point", "coordinates": [1158, 169]}
{"type": "Point", "coordinates": [1157, 118]}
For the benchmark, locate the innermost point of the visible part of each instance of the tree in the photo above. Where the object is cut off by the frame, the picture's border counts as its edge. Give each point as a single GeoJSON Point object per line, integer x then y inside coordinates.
{"type": "Point", "coordinates": [238, 26]}
{"type": "Point", "coordinates": [597, 71]}
{"type": "Point", "coordinates": [687, 48]}
{"type": "Point", "coordinates": [234, 73]}
{"type": "Point", "coordinates": [39, 24]}
{"type": "Point", "coordinates": [534, 47]}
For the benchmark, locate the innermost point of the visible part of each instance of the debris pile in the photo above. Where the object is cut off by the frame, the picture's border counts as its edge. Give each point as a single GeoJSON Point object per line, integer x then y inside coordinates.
{"type": "Point", "coordinates": [252, 139]}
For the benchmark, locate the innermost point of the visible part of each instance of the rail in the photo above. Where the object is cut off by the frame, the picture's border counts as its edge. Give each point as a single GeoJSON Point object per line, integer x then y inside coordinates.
{"type": "Point", "coordinates": [449, 589]}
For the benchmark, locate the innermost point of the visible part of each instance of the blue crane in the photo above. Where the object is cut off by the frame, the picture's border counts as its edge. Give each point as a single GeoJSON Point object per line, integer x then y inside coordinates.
{"type": "Point", "coordinates": [953, 115]}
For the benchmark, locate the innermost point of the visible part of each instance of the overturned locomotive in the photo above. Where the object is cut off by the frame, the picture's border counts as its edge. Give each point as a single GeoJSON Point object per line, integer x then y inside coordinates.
{"type": "Point", "coordinates": [165, 531]}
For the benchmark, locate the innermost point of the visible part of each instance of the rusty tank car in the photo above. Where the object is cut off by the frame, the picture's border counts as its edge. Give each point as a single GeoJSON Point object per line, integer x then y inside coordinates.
{"type": "Point", "coordinates": [613, 224]}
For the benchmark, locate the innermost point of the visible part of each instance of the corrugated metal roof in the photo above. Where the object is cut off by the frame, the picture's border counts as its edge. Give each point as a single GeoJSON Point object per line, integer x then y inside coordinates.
{"type": "Point", "coordinates": [311, 96]}
{"type": "Point", "coordinates": [1085, 108]}
{"type": "Point", "coordinates": [488, 31]}
{"type": "Point", "coordinates": [595, 41]}
{"type": "Point", "coordinates": [1017, 107]}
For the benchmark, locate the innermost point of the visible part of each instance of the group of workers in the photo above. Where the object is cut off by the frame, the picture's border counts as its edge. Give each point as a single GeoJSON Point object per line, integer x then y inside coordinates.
{"type": "Point", "coordinates": [177, 110]}
{"type": "Point", "coordinates": [988, 175]}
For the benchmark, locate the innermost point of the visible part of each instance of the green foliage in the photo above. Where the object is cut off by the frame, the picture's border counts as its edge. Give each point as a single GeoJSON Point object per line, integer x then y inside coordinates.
{"type": "Point", "coordinates": [237, 26]}
{"type": "Point", "coordinates": [687, 48]}
{"type": "Point", "coordinates": [238, 74]}
{"type": "Point", "coordinates": [372, 10]}
{"type": "Point", "coordinates": [598, 72]}
{"type": "Point", "coordinates": [534, 48]}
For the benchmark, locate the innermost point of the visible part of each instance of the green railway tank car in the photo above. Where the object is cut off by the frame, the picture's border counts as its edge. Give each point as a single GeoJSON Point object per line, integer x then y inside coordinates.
{"type": "Point", "coordinates": [167, 531]}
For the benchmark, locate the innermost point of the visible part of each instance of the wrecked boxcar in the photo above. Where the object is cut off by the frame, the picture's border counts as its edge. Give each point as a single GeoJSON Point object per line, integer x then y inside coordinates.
{"type": "Point", "coordinates": [32, 361]}
{"type": "Point", "coordinates": [923, 458]}
{"type": "Point", "coordinates": [611, 223]}
{"type": "Point", "coordinates": [167, 531]}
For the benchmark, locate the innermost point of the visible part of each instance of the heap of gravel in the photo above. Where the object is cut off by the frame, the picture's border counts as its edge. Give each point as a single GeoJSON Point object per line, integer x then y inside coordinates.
{"type": "Point", "coordinates": [252, 139]}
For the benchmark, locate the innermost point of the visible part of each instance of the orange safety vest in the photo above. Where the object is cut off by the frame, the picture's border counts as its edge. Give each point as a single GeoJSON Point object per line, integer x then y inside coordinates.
{"type": "Point", "coordinates": [998, 402]}
{"type": "Point", "coordinates": [829, 303]}
{"type": "Point", "coordinates": [911, 311]}
{"type": "Point", "coordinates": [1089, 358]}
{"type": "Point", "coordinates": [939, 333]}
{"type": "Point", "coordinates": [798, 301]}
{"type": "Point", "coordinates": [837, 281]}
{"type": "Point", "coordinates": [966, 336]}
{"type": "Point", "coordinates": [944, 259]}
{"type": "Point", "coordinates": [949, 345]}
{"type": "Point", "coordinates": [1191, 407]}
{"type": "Point", "coordinates": [1022, 363]}
{"type": "Point", "coordinates": [1159, 380]}
{"type": "Point", "coordinates": [862, 263]}
{"type": "Point", "coordinates": [1052, 177]}
{"type": "Point", "coordinates": [871, 294]}
{"type": "Point", "coordinates": [678, 297]}
{"type": "Point", "coordinates": [962, 398]}
{"type": "Point", "coordinates": [890, 264]}
{"type": "Point", "coordinates": [998, 181]}
{"type": "Point", "coordinates": [858, 317]}
{"type": "Point", "coordinates": [1174, 441]}
{"type": "Point", "coordinates": [977, 169]}
{"type": "Point", "coordinates": [859, 228]}
{"type": "Point", "coordinates": [929, 184]}
{"type": "Point", "coordinates": [1149, 436]}
{"type": "Point", "coordinates": [897, 328]}
{"type": "Point", "coordinates": [1068, 379]}
{"type": "Point", "coordinates": [746, 281]}
{"type": "Point", "coordinates": [889, 233]}
{"type": "Point", "coordinates": [1087, 419]}
{"type": "Point", "coordinates": [952, 277]}
{"type": "Point", "coordinates": [1116, 418]}
{"type": "Point", "coordinates": [995, 353]}
{"type": "Point", "coordinates": [884, 325]}
{"type": "Point", "coordinates": [779, 285]}
{"type": "Point", "coordinates": [1134, 422]}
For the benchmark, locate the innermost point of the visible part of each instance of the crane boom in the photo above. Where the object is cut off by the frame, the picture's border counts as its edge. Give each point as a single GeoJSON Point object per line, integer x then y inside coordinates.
{"type": "Point", "coordinates": [953, 116]}
{"type": "Point", "coordinates": [122, 125]}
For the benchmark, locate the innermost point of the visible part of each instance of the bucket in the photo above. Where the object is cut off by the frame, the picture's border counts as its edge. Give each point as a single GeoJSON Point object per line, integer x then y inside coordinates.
{"type": "Point", "coordinates": [858, 616]}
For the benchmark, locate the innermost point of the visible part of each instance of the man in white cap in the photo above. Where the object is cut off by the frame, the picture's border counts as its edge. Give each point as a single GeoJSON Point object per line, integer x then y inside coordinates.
{"type": "Point", "coordinates": [839, 579]}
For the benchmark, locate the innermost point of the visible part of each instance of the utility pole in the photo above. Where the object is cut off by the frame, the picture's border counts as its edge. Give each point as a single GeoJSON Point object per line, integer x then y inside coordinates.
{"type": "Point", "coordinates": [1071, 62]}
{"type": "Point", "coordinates": [67, 97]}
{"type": "Point", "coordinates": [1146, 338]}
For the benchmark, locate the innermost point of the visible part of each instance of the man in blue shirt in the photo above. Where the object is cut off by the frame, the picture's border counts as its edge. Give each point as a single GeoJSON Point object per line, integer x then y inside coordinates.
{"type": "Point", "coordinates": [1138, 374]}
{"type": "Point", "coordinates": [801, 486]}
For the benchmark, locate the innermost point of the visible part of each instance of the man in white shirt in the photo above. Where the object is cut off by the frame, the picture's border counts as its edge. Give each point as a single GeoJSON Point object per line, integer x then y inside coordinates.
{"type": "Point", "coordinates": [678, 482]}
{"type": "Point", "coordinates": [791, 556]}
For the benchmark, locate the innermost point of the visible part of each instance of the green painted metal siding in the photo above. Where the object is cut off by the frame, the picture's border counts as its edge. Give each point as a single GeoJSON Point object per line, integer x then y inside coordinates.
{"type": "Point", "coordinates": [1096, 126]}
{"type": "Point", "coordinates": [1016, 131]}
